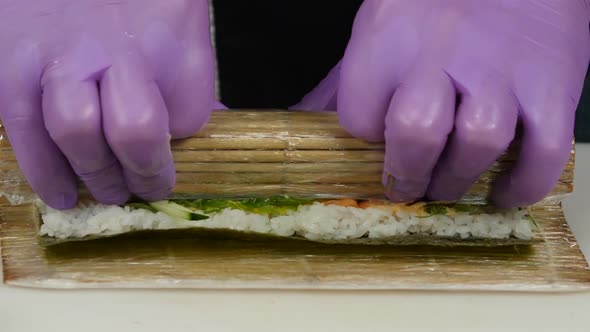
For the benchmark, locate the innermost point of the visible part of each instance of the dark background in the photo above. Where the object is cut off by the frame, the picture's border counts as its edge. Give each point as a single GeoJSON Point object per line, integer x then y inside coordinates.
{"type": "Point", "coordinates": [275, 51]}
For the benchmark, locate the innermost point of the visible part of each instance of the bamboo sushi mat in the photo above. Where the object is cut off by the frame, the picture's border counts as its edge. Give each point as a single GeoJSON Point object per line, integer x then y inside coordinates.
{"type": "Point", "coordinates": [179, 261]}
{"type": "Point", "coordinates": [268, 153]}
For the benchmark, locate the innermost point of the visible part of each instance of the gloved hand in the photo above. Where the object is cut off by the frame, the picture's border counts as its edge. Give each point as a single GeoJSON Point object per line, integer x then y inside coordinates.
{"type": "Point", "coordinates": [97, 88]}
{"type": "Point", "coordinates": [445, 82]}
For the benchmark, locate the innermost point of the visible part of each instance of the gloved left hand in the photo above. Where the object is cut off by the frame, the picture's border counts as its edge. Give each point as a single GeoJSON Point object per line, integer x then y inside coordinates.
{"type": "Point", "coordinates": [97, 88]}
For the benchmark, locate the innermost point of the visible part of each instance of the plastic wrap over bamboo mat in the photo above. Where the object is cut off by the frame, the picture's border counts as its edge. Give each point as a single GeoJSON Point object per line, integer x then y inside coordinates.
{"type": "Point", "coordinates": [264, 153]}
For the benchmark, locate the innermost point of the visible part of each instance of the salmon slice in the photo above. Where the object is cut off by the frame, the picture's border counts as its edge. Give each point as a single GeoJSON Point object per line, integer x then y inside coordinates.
{"type": "Point", "coordinates": [394, 208]}
{"type": "Point", "coordinates": [347, 202]}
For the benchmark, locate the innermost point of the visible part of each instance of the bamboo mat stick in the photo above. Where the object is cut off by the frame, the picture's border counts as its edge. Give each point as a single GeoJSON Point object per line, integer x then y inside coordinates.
{"type": "Point", "coordinates": [304, 156]}
{"type": "Point", "coordinates": [252, 167]}
{"type": "Point", "coordinates": [313, 189]}
{"type": "Point", "coordinates": [270, 155]}
{"type": "Point", "coordinates": [294, 178]}
{"type": "Point", "coordinates": [278, 123]}
{"type": "Point", "coordinates": [230, 131]}
{"type": "Point", "coordinates": [274, 143]}
{"type": "Point", "coordinates": [307, 168]}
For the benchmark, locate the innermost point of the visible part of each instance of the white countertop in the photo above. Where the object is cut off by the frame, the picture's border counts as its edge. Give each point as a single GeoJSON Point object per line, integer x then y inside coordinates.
{"type": "Point", "coordinates": [33, 310]}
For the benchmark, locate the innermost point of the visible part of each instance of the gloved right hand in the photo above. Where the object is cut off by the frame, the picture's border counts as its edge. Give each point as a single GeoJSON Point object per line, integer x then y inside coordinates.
{"type": "Point", "coordinates": [446, 85]}
{"type": "Point", "coordinates": [97, 88]}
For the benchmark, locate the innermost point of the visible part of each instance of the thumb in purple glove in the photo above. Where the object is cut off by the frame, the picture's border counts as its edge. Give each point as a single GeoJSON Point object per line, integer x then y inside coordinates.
{"type": "Point", "coordinates": [97, 89]}
{"type": "Point", "coordinates": [507, 61]}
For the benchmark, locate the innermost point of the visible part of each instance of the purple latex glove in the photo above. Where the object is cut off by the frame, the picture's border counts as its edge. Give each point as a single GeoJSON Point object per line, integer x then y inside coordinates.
{"type": "Point", "coordinates": [508, 61]}
{"type": "Point", "coordinates": [96, 88]}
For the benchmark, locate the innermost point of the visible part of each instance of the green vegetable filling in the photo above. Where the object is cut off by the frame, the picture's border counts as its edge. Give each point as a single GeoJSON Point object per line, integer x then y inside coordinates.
{"type": "Point", "coordinates": [141, 206]}
{"type": "Point", "coordinates": [272, 206]}
{"type": "Point", "coordinates": [439, 209]}
{"type": "Point", "coordinates": [532, 220]}
{"type": "Point", "coordinates": [434, 209]}
{"type": "Point", "coordinates": [187, 209]}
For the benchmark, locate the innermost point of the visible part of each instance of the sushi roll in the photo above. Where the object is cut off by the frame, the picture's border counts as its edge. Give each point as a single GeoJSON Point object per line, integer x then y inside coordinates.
{"type": "Point", "coordinates": [339, 221]}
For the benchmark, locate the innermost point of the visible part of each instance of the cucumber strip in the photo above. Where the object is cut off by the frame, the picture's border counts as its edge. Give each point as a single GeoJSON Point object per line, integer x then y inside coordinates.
{"type": "Point", "coordinates": [177, 211]}
{"type": "Point", "coordinates": [141, 206]}
{"type": "Point", "coordinates": [533, 222]}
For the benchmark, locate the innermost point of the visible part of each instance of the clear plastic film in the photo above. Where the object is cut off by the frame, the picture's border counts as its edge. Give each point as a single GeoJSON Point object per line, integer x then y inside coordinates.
{"type": "Point", "coordinates": [266, 153]}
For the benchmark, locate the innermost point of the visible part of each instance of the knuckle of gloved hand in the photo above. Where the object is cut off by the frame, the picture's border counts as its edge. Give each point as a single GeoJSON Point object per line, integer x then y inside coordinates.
{"type": "Point", "coordinates": [370, 129]}
{"type": "Point", "coordinates": [414, 130]}
{"type": "Point", "coordinates": [127, 134]}
{"type": "Point", "coordinates": [183, 128]}
{"type": "Point", "coordinates": [73, 126]}
{"type": "Point", "coordinates": [190, 112]}
{"type": "Point", "coordinates": [188, 118]}
{"type": "Point", "coordinates": [484, 134]}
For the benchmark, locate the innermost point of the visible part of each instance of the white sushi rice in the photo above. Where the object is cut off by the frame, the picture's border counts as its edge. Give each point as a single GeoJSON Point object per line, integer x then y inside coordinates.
{"type": "Point", "coordinates": [314, 222]}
